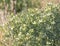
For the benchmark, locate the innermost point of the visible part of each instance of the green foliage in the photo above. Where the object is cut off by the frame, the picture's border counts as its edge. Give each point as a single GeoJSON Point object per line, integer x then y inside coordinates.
{"type": "Point", "coordinates": [32, 26]}
{"type": "Point", "coordinates": [22, 4]}
{"type": "Point", "coordinates": [35, 27]}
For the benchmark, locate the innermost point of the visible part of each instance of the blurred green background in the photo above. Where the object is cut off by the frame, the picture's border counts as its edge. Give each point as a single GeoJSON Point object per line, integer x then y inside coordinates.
{"type": "Point", "coordinates": [29, 23]}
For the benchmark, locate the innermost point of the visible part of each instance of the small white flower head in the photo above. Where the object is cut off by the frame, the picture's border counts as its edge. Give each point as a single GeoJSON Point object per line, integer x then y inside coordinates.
{"type": "Point", "coordinates": [24, 25]}
{"type": "Point", "coordinates": [53, 22]}
{"type": "Point", "coordinates": [17, 38]}
{"type": "Point", "coordinates": [19, 33]}
{"type": "Point", "coordinates": [40, 21]}
{"type": "Point", "coordinates": [36, 8]}
{"type": "Point", "coordinates": [34, 22]}
{"type": "Point", "coordinates": [48, 43]}
{"type": "Point", "coordinates": [3, 24]}
{"type": "Point", "coordinates": [11, 28]}
{"type": "Point", "coordinates": [49, 3]}
{"type": "Point", "coordinates": [27, 34]}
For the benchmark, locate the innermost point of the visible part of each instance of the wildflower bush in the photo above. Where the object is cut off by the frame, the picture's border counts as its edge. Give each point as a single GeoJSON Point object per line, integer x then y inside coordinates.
{"type": "Point", "coordinates": [34, 27]}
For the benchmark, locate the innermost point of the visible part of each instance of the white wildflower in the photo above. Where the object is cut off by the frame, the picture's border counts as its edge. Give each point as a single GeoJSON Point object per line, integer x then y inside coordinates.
{"type": "Point", "coordinates": [34, 22]}
{"type": "Point", "coordinates": [40, 21]}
